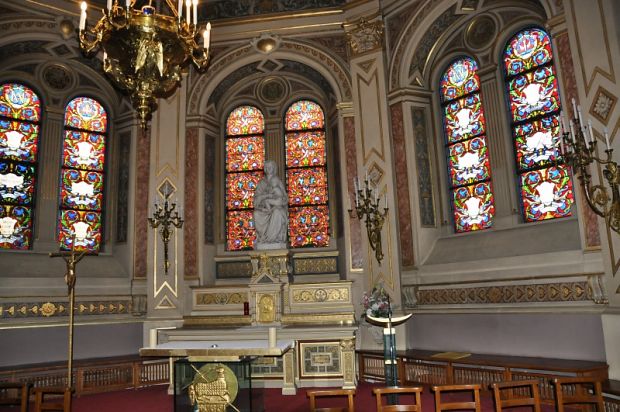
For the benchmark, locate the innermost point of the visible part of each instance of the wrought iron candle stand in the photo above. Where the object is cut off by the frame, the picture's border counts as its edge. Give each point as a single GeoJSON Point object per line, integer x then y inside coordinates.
{"type": "Point", "coordinates": [367, 207]}
{"type": "Point", "coordinates": [166, 218]}
{"type": "Point", "coordinates": [579, 155]}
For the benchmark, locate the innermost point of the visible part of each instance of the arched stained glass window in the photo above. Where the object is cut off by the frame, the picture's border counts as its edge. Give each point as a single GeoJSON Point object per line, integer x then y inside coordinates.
{"type": "Point", "coordinates": [82, 175]}
{"type": "Point", "coordinates": [20, 114]}
{"type": "Point", "coordinates": [532, 87]}
{"type": "Point", "coordinates": [466, 149]}
{"type": "Point", "coordinates": [245, 159]}
{"type": "Point", "coordinates": [306, 175]}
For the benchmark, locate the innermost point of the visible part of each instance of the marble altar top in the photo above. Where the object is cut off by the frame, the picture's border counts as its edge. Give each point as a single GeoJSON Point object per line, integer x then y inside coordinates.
{"type": "Point", "coordinates": [215, 348]}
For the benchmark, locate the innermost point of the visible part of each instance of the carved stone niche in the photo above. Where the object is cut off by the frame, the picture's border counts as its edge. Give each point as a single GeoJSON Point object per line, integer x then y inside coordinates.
{"type": "Point", "coordinates": [269, 278]}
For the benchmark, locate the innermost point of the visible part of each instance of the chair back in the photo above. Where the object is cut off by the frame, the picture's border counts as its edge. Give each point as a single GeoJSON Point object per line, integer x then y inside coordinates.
{"type": "Point", "coordinates": [21, 391]}
{"type": "Point", "coordinates": [441, 405]}
{"type": "Point", "coordinates": [578, 391]}
{"type": "Point", "coordinates": [349, 393]}
{"type": "Point", "coordinates": [416, 391]}
{"type": "Point", "coordinates": [517, 393]}
{"type": "Point", "coordinates": [52, 399]}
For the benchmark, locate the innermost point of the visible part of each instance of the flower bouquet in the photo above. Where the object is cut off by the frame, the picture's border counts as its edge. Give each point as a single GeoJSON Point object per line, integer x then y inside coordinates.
{"type": "Point", "coordinates": [376, 303]}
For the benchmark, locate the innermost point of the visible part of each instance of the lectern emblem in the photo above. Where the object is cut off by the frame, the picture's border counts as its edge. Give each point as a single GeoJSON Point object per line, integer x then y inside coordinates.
{"type": "Point", "coordinates": [213, 389]}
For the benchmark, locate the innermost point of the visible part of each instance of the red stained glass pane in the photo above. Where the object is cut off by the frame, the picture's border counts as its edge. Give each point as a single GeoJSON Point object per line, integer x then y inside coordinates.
{"type": "Point", "coordinates": [546, 193]}
{"type": "Point", "coordinates": [245, 153]}
{"type": "Point", "coordinates": [81, 189]}
{"type": "Point", "coordinates": [16, 183]}
{"type": "Point", "coordinates": [245, 120]}
{"type": "Point", "coordinates": [304, 115]}
{"type": "Point", "coordinates": [464, 118]}
{"type": "Point", "coordinates": [86, 114]}
{"type": "Point", "coordinates": [537, 142]}
{"type": "Point", "coordinates": [526, 50]}
{"type": "Point", "coordinates": [460, 78]}
{"type": "Point", "coordinates": [18, 141]}
{"type": "Point", "coordinates": [308, 226]}
{"type": "Point", "coordinates": [19, 102]}
{"type": "Point", "coordinates": [240, 230]}
{"type": "Point", "coordinates": [305, 149]}
{"type": "Point", "coordinates": [473, 207]}
{"type": "Point", "coordinates": [84, 150]}
{"type": "Point", "coordinates": [468, 161]}
{"type": "Point", "coordinates": [533, 94]}
{"type": "Point", "coordinates": [15, 227]}
{"type": "Point", "coordinates": [307, 186]}
{"type": "Point", "coordinates": [84, 225]}
{"type": "Point", "coordinates": [240, 188]}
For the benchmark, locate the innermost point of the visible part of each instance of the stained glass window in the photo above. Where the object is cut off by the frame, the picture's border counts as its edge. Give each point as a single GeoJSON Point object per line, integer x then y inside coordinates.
{"type": "Point", "coordinates": [20, 114]}
{"type": "Point", "coordinates": [82, 175]}
{"type": "Point", "coordinates": [532, 89]}
{"type": "Point", "coordinates": [306, 175]}
{"type": "Point", "coordinates": [245, 159]}
{"type": "Point", "coordinates": [466, 149]}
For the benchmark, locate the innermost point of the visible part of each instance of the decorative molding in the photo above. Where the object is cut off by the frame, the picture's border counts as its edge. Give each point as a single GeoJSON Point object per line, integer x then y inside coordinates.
{"type": "Point", "coordinates": [422, 139]}
{"type": "Point", "coordinates": [190, 201]}
{"type": "Point", "coordinates": [603, 105]}
{"type": "Point", "coordinates": [365, 36]}
{"type": "Point", "coordinates": [318, 318]}
{"type": "Point", "coordinates": [221, 298]}
{"type": "Point", "coordinates": [47, 309]}
{"type": "Point", "coordinates": [233, 270]}
{"type": "Point", "coordinates": [321, 294]}
{"type": "Point", "coordinates": [315, 265]}
{"type": "Point", "coordinates": [141, 196]}
{"type": "Point", "coordinates": [319, 359]}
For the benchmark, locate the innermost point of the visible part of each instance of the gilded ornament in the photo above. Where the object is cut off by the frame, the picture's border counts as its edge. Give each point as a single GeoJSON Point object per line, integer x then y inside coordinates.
{"type": "Point", "coordinates": [48, 309]}
{"type": "Point", "coordinates": [266, 309]}
{"type": "Point", "coordinates": [365, 36]}
{"type": "Point", "coordinates": [214, 388]}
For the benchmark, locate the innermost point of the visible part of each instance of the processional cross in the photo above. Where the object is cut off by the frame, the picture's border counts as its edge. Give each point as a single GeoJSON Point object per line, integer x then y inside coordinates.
{"type": "Point", "coordinates": [71, 259]}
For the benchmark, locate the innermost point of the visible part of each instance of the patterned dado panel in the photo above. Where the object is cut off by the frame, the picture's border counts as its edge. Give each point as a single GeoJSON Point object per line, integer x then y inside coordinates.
{"type": "Point", "coordinates": [268, 367]}
{"type": "Point", "coordinates": [319, 359]}
{"type": "Point", "coordinates": [233, 270]}
{"type": "Point", "coordinates": [534, 293]}
{"type": "Point", "coordinates": [220, 298]}
{"type": "Point", "coordinates": [48, 309]}
{"type": "Point", "coordinates": [315, 265]}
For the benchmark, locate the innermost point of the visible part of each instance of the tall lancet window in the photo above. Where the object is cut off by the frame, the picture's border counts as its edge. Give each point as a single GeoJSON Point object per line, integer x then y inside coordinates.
{"type": "Point", "coordinates": [532, 88]}
{"type": "Point", "coordinates": [306, 175]}
{"type": "Point", "coordinates": [466, 148]}
{"type": "Point", "coordinates": [80, 223]}
{"type": "Point", "coordinates": [20, 114]}
{"type": "Point", "coordinates": [245, 159]}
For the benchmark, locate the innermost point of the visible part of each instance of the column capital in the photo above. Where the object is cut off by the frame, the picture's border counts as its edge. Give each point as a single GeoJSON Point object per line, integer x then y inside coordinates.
{"type": "Point", "coordinates": [364, 35]}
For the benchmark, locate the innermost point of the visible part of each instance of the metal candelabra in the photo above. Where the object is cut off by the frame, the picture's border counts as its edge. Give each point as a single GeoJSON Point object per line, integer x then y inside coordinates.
{"type": "Point", "coordinates": [166, 218]}
{"type": "Point", "coordinates": [367, 207]}
{"type": "Point", "coordinates": [580, 151]}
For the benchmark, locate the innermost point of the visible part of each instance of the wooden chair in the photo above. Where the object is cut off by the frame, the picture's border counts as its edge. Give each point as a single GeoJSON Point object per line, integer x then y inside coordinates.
{"type": "Point", "coordinates": [579, 391]}
{"type": "Point", "coordinates": [21, 390]}
{"type": "Point", "coordinates": [416, 391]}
{"type": "Point", "coordinates": [473, 389]}
{"type": "Point", "coordinates": [52, 399]}
{"type": "Point", "coordinates": [519, 393]}
{"type": "Point", "coordinates": [349, 393]}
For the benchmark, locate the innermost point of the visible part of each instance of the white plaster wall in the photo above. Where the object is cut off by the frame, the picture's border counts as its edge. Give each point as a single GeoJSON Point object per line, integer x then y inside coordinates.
{"type": "Point", "coordinates": [555, 335]}
{"type": "Point", "coordinates": [611, 327]}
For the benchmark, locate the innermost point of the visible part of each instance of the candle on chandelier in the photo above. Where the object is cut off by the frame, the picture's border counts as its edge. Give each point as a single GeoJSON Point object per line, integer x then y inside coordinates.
{"type": "Point", "coordinates": [206, 36]}
{"type": "Point", "coordinates": [574, 107]}
{"type": "Point", "coordinates": [386, 204]}
{"type": "Point", "coordinates": [180, 9]}
{"type": "Point", "coordinates": [590, 131]}
{"type": "Point", "coordinates": [581, 123]}
{"type": "Point", "coordinates": [83, 6]}
{"type": "Point", "coordinates": [564, 129]}
{"type": "Point", "coordinates": [127, 3]}
{"type": "Point", "coordinates": [195, 4]}
{"type": "Point", "coordinates": [607, 139]}
{"type": "Point", "coordinates": [109, 4]}
{"type": "Point", "coordinates": [572, 131]}
{"type": "Point", "coordinates": [188, 4]}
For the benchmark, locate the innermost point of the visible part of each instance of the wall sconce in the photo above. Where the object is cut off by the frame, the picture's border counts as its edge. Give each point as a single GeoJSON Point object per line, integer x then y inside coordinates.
{"type": "Point", "coordinates": [367, 205]}
{"type": "Point", "coordinates": [579, 154]}
{"type": "Point", "coordinates": [167, 218]}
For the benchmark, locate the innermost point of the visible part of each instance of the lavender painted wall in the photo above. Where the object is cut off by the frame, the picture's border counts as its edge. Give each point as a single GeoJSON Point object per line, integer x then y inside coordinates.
{"type": "Point", "coordinates": [39, 345]}
{"type": "Point", "coordinates": [563, 336]}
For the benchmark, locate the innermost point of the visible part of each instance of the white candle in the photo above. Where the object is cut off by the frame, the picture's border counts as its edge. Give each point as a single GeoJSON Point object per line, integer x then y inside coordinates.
{"type": "Point", "coordinates": [572, 131]}
{"type": "Point", "coordinates": [590, 131]}
{"type": "Point", "coordinates": [563, 123]}
{"type": "Point", "coordinates": [128, 3]}
{"type": "Point", "coordinates": [195, 4]}
{"type": "Point", "coordinates": [574, 107]}
{"type": "Point", "coordinates": [607, 139]}
{"type": "Point", "coordinates": [385, 196]}
{"type": "Point", "coordinates": [272, 337]}
{"type": "Point", "coordinates": [83, 6]}
{"type": "Point", "coordinates": [188, 4]}
{"type": "Point", "coordinates": [180, 9]}
{"type": "Point", "coordinates": [109, 4]}
{"type": "Point", "coordinates": [207, 36]}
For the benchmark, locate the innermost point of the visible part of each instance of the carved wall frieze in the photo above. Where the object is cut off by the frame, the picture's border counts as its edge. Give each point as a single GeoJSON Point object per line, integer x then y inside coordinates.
{"type": "Point", "coordinates": [315, 266]}
{"type": "Point", "coordinates": [321, 295]}
{"type": "Point", "coordinates": [47, 309]}
{"type": "Point", "coordinates": [365, 36]}
{"type": "Point", "coordinates": [221, 298]}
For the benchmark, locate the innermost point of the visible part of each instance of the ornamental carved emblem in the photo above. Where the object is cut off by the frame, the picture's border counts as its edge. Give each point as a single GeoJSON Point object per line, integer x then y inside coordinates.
{"type": "Point", "coordinates": [365, 36]}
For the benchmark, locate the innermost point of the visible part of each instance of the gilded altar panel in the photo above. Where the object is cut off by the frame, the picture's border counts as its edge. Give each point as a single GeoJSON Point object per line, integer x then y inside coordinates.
{"type": "Point", "coordinates": [268, 367]}
{"type": "Point", "coordinates": [320, 297]}
{"type": "Point", "coordinates": [319, 359]}
{"type": "Point", "coordinates": [315, 265]}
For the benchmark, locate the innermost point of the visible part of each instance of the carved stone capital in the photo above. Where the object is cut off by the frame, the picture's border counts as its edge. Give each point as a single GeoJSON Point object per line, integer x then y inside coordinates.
{"type": "Point", "coordinates": [365, 36]}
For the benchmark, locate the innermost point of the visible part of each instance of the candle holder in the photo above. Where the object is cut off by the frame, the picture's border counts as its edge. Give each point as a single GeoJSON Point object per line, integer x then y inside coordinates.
{"type": "Point", "coordinates": [579, 151]}
{"type": "Point", "coordinates": [367, 207]}
{"type": "Point", "coordinates": [166, 218]}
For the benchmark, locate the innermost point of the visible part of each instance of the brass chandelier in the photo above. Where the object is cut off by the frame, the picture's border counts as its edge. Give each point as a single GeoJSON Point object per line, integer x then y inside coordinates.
{"type": "Point", "coordinates": [144, 49]}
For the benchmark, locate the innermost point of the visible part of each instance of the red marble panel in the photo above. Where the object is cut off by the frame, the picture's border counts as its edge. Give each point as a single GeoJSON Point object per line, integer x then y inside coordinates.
{"type": "Point", "coordinates": [402, 185]}
{"type": "Point", "coordinates": [593, 236]}
{"type": "Point", "coordinates": [141, 202]}
{"type": "Point", "coordinates": [190, 227]}
{"type": "Point", "coordinates": [351, 159]}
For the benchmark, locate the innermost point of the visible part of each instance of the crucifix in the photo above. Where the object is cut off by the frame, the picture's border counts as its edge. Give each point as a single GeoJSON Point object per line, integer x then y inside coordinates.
{"type": "Point", "coordinates": [71, 258]}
